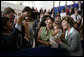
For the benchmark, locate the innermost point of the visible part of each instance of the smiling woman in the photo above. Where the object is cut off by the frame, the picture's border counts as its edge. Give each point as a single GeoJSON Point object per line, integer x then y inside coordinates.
{"type": "Point", "coordinates": [43, 27]}
{"type": "Point", "coordinates": [44, 32]}
{"type": "Point", "coordinates": [72, 41]}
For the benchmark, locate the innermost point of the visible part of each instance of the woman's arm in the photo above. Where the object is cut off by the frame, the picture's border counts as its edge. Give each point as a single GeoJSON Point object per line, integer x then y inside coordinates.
{"type": "Point", "coordinates": [54, 32]}
{"type": "Point", "coordinates": [47, 43]}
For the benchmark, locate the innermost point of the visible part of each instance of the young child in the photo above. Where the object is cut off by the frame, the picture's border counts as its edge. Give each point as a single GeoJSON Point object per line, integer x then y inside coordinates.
{"type": "Point", "coordinates": [56, 33]}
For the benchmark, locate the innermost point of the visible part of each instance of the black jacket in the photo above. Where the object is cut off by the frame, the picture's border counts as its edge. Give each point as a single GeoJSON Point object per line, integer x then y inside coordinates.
{"type": "Point", "coordinates": [9, 42]}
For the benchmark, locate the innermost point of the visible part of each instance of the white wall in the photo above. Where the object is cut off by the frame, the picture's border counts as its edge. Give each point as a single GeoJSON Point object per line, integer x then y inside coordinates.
{"type": "Point", "coordinates": [44, 4]}
{"type": "Point", "coordinates": [17, 8]}
{"type": "Point", "coordinates": [37, 4]}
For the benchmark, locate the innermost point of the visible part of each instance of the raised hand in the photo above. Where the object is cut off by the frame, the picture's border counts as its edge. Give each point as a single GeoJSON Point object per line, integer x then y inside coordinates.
{"type": "Point", "coordinates": [19, 19]}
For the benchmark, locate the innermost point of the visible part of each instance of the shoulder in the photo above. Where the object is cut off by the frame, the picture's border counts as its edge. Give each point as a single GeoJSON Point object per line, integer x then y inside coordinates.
{"type": "Point", "coordinates": [79, 15]}
{"type": "Point", "coordinates": [64, 13]}
{"type": "Point", "coordinates": [72, 14]}
{"type": "Point", "coordinates": [43, 27]}
{"type": "Point", "coordinates": [75, 34]}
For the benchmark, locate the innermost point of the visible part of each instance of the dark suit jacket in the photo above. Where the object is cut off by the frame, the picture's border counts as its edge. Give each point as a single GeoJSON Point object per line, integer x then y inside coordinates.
{"type": "Point", "coordinates": [35, 24]}
{"type": "Point", "coordinates": [8, 42]}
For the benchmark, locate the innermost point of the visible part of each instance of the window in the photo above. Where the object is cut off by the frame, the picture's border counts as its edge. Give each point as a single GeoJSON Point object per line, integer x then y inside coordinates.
{"type": "Point", "coordinates": [62, 3]}
{"type": "Point", "coordinates": [69, 2]}
{"type": "Point", "coordinates": [56, 3]}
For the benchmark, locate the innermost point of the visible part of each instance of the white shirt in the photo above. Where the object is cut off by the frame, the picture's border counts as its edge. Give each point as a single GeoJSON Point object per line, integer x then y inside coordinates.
{"type": "Point", "coordinates": [62, 15]}
{"type": "Point", "coordinates": [52, 42]}
{"type": "Point", "coordinates": [71, 30]}
{"type": "Point", "coordinates": [40, 19]}
{"type": "Point", "coordinates": [79, 7]}
{"type": "Point", "coordinates": [52, 15]}
{"type": "Point", "coordinates": [74, 17]}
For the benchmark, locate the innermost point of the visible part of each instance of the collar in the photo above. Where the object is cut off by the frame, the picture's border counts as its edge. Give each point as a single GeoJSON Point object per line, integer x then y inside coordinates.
{"type": "Point", "coordinates": [71, 31]}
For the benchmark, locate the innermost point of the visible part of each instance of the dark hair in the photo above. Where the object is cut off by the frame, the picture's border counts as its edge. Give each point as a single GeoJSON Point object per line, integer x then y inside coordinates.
{"type": "Point", "coordinates": [42, 24]}
{"type": "Point", "coordinates": [57, 16]}
{"type": "Point", "coordinates": [58, 22]}
{"type": "Point", "coordinates": [75, 23]}
{"type": "Point", "coordinates": [43, 20]}
{"type": "Point", "coordinates": [8, 10]}
{"type": "Point", "coordinates": [69, 19]}
{"type": "Point", "coordinates": [52, 19]}
{"type": "Point", "coordinates": [4, 21]}
{"type": "Point", "coordinates": [26, 9]}
{"type": "Point", "coordinates": [62, 10]}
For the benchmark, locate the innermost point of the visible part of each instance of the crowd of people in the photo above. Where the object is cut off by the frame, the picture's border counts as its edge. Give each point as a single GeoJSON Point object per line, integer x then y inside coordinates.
{"type": "Point", "coordinates": [49, 28]}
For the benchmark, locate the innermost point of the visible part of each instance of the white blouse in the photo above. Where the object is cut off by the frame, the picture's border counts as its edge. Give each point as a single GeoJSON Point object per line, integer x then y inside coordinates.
{"type": "Point", "coordinates": [52, 42]}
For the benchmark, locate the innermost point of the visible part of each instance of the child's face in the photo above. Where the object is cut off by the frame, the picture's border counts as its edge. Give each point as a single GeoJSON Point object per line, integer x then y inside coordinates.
{"type": "Point", "coordinates": [55, 26]}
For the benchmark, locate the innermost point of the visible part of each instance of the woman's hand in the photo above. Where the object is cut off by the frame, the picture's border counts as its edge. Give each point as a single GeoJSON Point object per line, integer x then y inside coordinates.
{"type": "Point", "coordinates": [58, 40]}
{"type": "Point", "coordinates": [47, 43]}
{"type": "Point", "coordinates": [54, 32]}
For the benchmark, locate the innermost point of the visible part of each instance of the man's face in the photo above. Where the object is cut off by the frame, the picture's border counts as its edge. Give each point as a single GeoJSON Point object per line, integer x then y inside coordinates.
{"type": "Point", "coordinates": [11, 15]}
{"type": "Point", "coordinates": [26, 13]}
{"type": "Point", "coordinates": [76, 12]}
{"type": "Point", "coordinates": [26, 16]}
